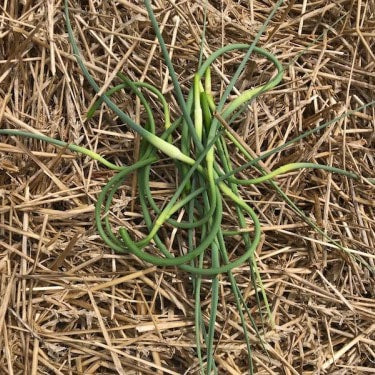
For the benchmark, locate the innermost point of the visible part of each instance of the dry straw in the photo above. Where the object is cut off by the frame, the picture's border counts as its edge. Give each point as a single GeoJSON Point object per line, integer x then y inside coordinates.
{"type": "Point", "coordinates": [206, 196]}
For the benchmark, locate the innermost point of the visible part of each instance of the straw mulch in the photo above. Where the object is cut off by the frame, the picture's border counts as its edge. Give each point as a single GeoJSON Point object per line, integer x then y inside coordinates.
{"type": "Point", "coordinates": [68, 305]}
